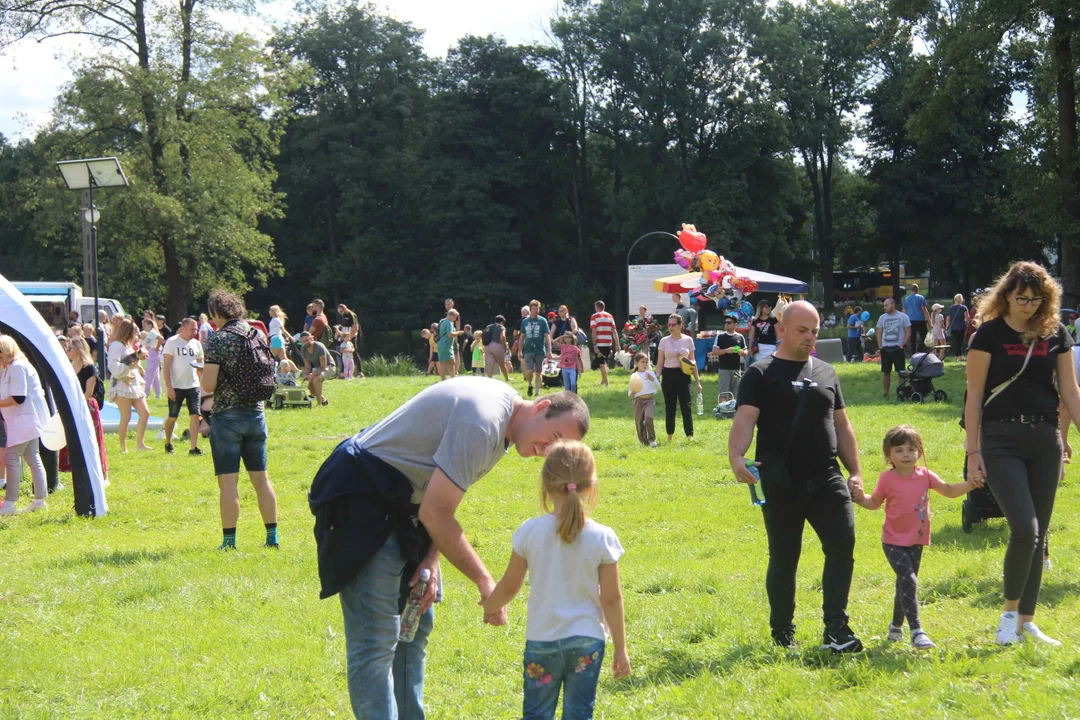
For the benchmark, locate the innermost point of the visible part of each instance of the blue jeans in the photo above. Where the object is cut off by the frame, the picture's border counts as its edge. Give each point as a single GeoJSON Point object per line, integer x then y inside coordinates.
{"type": "Point", "coordinates": [238, 433]}
{"type": "Point", "coordinates": [386, 678]}
{"type": "Point", "coordinates": [571, 664]}
{"type": "Point", "coordinates": [569, 379]}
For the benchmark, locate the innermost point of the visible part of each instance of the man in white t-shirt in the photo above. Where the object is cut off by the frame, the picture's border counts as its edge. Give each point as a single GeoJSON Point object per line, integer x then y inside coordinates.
{"type": "Point", "coordinates": [183, 356]}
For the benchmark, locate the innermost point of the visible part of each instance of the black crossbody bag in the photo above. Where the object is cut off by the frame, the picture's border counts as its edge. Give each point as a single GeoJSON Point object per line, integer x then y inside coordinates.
{"type": "Point", "coordinates": [776, 481]}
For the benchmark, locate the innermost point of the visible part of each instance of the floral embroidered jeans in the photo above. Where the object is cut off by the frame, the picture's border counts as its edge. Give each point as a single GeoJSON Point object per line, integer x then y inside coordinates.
{"type": "Point", "coordinates": [572, 665]}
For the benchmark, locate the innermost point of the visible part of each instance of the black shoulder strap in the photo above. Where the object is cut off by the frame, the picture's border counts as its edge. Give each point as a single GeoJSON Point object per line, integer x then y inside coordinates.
{"type": "Point", "coordinates": [799, 406]}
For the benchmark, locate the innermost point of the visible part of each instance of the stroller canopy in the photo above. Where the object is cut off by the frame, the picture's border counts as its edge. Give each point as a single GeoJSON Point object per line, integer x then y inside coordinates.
{"type": "Point", "coordinates": [926, 365]}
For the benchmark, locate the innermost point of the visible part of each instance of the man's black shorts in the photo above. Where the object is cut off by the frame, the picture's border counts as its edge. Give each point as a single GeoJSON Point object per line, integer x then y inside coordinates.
{"type": "Point", "coordinates": [892, 357]}
{"type": "Point", "coordinates": [603, 354]}
{"type": "Point", "coordinates": [191, 395]}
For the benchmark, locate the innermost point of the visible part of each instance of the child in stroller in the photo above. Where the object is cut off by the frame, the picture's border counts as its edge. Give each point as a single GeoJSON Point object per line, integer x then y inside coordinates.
{"type": "Point", "coordinates": [917, 384]}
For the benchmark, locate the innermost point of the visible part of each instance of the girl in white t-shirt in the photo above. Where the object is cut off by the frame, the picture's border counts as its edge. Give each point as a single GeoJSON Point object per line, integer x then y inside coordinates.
{"type": "Point", "coordinates": [643, 388]}
{"type": "Point", "coordinates": [573, 565]}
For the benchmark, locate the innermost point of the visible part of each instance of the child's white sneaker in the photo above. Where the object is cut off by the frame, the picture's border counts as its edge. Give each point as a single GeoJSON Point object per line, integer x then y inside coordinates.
{"type": "Point", "coordinates": [1031, 630]}
{"type": "Point", "coordinates": [35, 504]}
{"type": "Point", "coordinates": [7, 508]}
{"type": "Point", "coordinates": [921, 640]}
{"type": "Point", "coordinates": [1006, 630]}
{"type": "Point", "coordinates": [896, 634]}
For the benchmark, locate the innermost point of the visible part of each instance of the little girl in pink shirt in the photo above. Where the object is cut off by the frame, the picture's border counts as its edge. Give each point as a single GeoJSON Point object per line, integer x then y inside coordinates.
{"type": "Point", "coordinates": [905, 491]}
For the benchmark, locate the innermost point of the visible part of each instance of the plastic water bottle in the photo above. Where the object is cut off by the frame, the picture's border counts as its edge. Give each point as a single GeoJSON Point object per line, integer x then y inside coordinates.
{"type": "Point", "coordinates": [410, 619]}
{"type": "Point", "coordinates": [754, 499]}
{"type": "Point", "coordinates": [700, 404]}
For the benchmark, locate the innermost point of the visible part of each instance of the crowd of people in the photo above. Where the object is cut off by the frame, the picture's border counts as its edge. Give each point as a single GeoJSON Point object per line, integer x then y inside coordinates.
{"type": "Point", "coordinates": [385, 500]}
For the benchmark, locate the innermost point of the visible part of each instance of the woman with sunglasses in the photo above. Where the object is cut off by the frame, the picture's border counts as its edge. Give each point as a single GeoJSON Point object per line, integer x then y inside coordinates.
{"type": "Point", "coordinates": [1011, 418]}
{"type": "Point", "coordinates": [673, 381]}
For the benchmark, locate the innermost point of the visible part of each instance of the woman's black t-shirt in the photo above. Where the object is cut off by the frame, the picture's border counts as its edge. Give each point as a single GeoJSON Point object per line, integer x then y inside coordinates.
{"type": "Point", "coordinates": [84, 375]}
{"type": "Point", "coordinates": [766, 331]}
{"type": "Point", "coordinates": [1033, 392]}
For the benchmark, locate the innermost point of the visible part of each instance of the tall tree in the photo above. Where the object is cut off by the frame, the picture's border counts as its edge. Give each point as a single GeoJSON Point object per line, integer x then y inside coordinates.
{"type": "Point", "coordinates": [192, 108]}
{"type": "Point", "coordinates": [813, 57]}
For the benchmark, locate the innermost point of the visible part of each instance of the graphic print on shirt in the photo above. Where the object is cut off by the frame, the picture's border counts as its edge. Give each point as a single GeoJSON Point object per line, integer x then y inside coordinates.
{"type": "Point", "coordinates": [922, 509]}
{"type": "Point", "coordinates": [892, 330]}
{"type": "Point", "coordinates": [1042, 349]}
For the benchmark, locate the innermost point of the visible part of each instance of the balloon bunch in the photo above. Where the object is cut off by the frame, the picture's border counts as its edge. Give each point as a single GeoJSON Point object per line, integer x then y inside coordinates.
{"type": "Point", "coordinates": [635, 337]}
{"type": "Point", "coordinates": [719, 282]}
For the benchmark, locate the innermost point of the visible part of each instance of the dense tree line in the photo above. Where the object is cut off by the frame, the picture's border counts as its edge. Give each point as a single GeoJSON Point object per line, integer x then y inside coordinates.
{"type": "Point", "coordinates": [339, 161]}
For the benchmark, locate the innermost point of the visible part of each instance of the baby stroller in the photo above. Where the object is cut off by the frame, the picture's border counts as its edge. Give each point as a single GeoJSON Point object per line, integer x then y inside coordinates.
{"type": "Point", "coordinates": [725, 406]}
{"type": "Point", "coordinates": [917, 384]}
{"type": "Point", "coordinates": [551, 374]}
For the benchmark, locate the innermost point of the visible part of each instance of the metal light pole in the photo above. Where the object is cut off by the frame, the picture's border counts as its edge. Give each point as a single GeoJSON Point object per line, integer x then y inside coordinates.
{"type": "Point", "coordinates": [86, 175]}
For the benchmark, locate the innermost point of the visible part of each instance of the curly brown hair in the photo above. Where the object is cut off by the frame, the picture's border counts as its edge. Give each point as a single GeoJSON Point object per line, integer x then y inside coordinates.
{"type": "Point", "coordinates": [226, 305]}
{"type": "Point", "coordinates": [1022, 276]}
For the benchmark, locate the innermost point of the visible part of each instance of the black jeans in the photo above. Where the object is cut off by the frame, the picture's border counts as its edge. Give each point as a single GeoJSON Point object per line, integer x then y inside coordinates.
{"type": "Point", "coordinates": [956, 339]}
{"type": "Point", "coordinates": [854, 350]}
{"type": "Point", "coordinates": [676, 386]}
{"type": "Point", "coordinates": [1023, 467]}
{"type": "Point", "coordinates": [826, 505]}
{"type": "Point", "coordinates": [918, 336]}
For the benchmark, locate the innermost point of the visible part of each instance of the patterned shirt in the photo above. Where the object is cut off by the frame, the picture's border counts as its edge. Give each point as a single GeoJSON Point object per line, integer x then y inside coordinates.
{"type": "Point", "coordinates": [604, 326]}
{"type": "Point", "coordinates": [227, 350]}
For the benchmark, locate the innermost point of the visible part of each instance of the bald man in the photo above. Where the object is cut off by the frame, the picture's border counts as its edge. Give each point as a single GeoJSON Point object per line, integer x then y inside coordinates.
{"type": "Point", "coordinates": [796, 403]}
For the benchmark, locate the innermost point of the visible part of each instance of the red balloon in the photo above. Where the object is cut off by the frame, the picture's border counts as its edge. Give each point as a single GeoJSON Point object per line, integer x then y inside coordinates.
{"type": "Point", "coordinates": [693, 242]}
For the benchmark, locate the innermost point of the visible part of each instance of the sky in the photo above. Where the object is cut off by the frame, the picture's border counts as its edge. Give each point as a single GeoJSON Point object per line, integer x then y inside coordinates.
{"type": "Point", "coordinates": [32, 73]}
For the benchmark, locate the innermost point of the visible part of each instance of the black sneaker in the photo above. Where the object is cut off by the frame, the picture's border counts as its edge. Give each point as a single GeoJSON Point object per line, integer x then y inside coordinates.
{"type": "Point", "coordinates": [784, 637]}
{"type": "Point", "coordinates": [530, 391]}
{"type": "Point", "coordinates": [169, 448]}
{"type": "Point", "coordinates": [195, 451]}
{"type": "Point", "coordinates": [842, 640]}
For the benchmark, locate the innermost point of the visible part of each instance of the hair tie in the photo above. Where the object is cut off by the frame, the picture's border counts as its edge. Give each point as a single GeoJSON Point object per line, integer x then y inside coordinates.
{"type": "Point", "coordinates": [571, 487]}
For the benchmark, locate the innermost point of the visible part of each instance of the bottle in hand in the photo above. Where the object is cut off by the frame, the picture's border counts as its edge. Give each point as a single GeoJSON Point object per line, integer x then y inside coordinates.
{"type": "Point", "coordinates": [754, 499]}
{"type": "Point", "coordinates": [700, 404]}
{"type": "Point", "coordinates": [410, 618]}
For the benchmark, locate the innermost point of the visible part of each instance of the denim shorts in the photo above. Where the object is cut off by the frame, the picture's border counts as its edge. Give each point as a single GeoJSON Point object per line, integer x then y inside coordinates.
{"type": "Point", "coordinates": [238, 433]}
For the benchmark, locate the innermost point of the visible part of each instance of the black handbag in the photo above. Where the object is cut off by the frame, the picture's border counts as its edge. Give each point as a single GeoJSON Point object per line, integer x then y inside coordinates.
{"type": "Point", "coordinates": [776, 481]}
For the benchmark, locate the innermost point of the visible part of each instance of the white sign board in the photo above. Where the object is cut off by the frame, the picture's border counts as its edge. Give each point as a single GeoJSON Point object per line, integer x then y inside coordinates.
{"type": "Point", "coordinates": [640, 284]}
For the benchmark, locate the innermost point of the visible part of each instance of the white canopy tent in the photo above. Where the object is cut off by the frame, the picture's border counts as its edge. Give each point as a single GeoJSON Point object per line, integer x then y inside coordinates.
{"type": "Point", "coordinates": [20, 320]}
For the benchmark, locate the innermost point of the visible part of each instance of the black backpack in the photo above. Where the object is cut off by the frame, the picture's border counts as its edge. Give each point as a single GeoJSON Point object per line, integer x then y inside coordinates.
{"type": "Point", "coordinates": [485, 337]}
{"type": "Point", "coordinates": [254, 379]}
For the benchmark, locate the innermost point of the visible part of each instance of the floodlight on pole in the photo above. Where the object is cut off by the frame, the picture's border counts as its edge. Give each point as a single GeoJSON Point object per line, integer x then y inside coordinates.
{"type": "Point", "coordinates": [88, 174]}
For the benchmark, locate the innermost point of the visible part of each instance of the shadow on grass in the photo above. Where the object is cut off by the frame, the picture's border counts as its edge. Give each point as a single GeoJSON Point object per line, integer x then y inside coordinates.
{"type": "Point", "coordinates": [986, 592]}
{"type": "Point", "coordinates": [985, 535]}
{"type": "Point", "coordinates": [116, 558]}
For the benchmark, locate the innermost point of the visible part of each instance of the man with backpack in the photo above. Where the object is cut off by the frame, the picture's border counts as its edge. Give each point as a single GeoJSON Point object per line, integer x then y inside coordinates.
{"type": "Point", "coordinates": [239, 373]}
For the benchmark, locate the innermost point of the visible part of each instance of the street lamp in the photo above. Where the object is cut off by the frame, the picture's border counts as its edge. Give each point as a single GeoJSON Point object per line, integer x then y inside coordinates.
{"type": "Point", "coordinates": [86, 175]}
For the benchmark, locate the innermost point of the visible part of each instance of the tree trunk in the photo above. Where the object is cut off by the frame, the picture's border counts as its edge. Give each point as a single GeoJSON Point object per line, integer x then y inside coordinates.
{"type": "Point", "coordinates": [179, 278]}
{"type": "Point", "coordinates": [1068, 167]}
{"type": "Point", "coordinates": [826, 236]}
{"type": "Point", "coordinates": [811, 164]}
{"type": "Point", "coordinates": [584, 231]}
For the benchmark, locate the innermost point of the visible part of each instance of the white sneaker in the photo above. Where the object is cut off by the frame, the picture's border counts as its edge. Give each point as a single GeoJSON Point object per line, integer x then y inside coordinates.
{"type": "Point", "coordinates": [35, 504]}
{"type": "Point", "coordinates": [1006, 630]}
{"type": "Point", "coordinates": [921, 640]}
{"type": "Point", "coordinates": [1031, 630]}
{"type": "Point", "coordinates": [896, 634]}
{"type": "Point", "coordinates": [7, 508]}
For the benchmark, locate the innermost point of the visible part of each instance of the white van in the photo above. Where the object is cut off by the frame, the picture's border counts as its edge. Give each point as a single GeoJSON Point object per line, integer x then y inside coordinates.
{"type": "Point", "coordinates": [56, 300]}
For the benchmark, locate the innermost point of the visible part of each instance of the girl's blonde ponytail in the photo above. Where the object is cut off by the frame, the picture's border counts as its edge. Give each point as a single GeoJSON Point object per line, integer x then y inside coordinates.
{"type": "Point", "coordinates": [570, 471]}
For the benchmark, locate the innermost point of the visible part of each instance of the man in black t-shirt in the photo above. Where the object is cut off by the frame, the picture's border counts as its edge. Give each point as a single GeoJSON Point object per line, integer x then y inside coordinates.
{"type": "Point", "coordinates": [730, 347]}
{"type": "Point", "coordinates": [797, 459]}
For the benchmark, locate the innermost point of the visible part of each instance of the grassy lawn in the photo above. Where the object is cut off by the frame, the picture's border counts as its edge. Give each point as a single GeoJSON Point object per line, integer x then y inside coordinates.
{"type": "Point", "coordinates": [137, 615]}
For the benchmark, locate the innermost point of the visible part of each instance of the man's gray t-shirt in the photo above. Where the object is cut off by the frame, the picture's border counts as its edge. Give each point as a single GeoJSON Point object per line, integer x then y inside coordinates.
{"type": "Point", "coordinates": [891, 329]}
{"type": "Point", "coordinates": [458, 426]}
{"type": "Point", "coordinates": [314, 355]}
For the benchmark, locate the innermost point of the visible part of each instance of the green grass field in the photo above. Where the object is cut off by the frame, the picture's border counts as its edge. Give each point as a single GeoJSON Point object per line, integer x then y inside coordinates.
{"type": "Point", "coordinates": [137, 615]}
